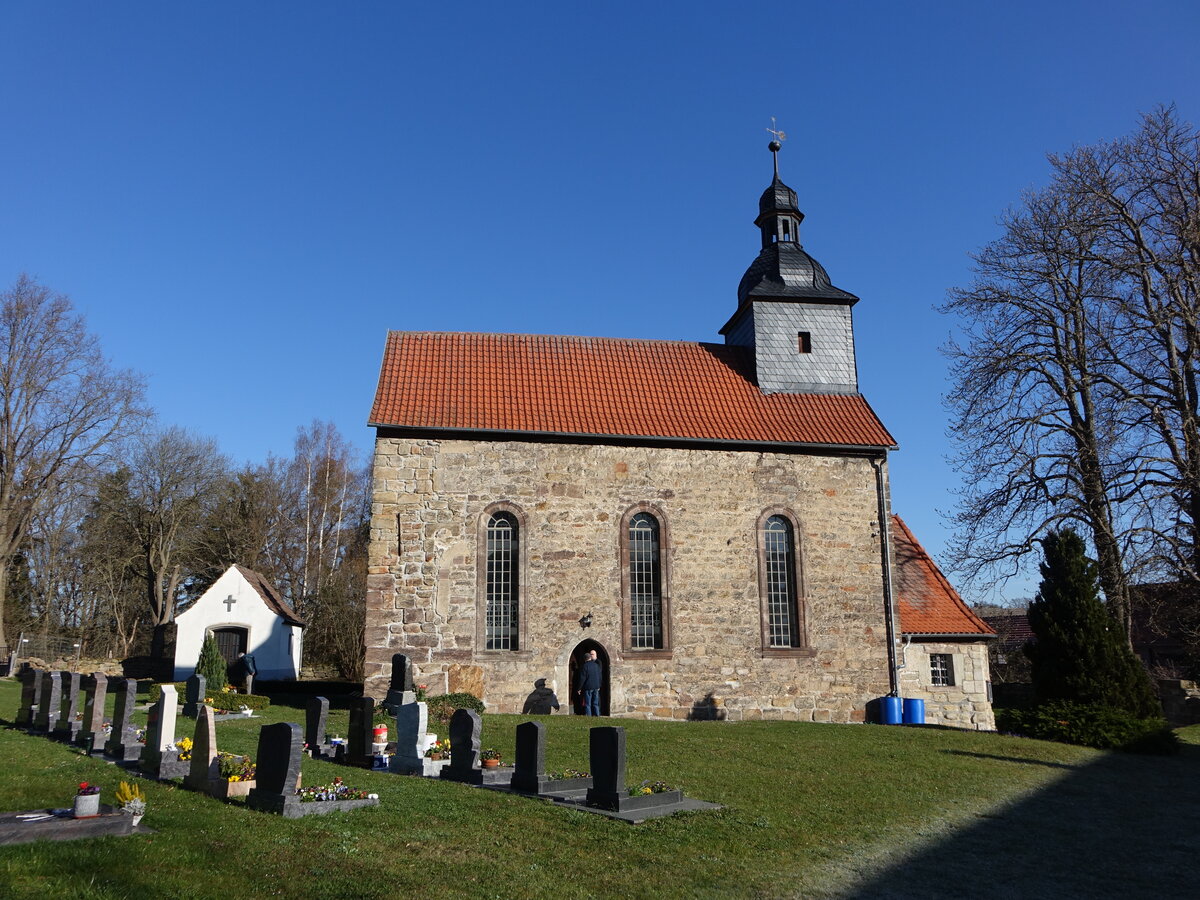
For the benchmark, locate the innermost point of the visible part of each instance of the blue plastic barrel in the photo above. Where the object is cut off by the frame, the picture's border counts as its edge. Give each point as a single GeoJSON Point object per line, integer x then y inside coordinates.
{"type": "Point", "coordinates": [914, 712]}
{"type": "Point", "coordinates": [890, 710]}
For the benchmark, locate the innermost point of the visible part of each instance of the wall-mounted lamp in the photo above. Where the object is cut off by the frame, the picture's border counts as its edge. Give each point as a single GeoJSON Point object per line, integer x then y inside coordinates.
{"type": "Point", "coordinates": [586, 621]}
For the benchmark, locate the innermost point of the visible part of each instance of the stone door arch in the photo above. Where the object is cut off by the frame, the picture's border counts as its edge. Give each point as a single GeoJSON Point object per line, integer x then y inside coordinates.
{"type": "Point", "coordinates": [578, 655]}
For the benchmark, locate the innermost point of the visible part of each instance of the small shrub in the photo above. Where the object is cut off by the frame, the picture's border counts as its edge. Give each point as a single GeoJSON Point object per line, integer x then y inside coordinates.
{"type": "Point", "coordinates": [1089, 726]}
{"type": "Point", "coordinates": [212, 666]}
{"type": "Point", "coordinates": [443, 706]}
{"type": "Point", "coordinates": [154, 694]}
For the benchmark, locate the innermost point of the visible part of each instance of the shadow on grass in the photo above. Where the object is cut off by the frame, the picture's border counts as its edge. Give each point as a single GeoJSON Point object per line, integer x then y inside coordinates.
{"type": "Point", "coordinates": [1123, 826]}
{"type": "Point", "coordinates": [1014, 759]}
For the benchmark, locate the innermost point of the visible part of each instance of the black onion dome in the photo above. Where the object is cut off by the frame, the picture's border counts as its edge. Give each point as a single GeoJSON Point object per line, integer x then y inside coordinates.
{"type": "Point", "coordinates": [778, 198]}
{"type": "Point", "coordinates": [785, 270]}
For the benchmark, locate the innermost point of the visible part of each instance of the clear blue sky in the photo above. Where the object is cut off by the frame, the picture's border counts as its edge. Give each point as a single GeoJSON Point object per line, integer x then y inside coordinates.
{"type": "Point", "coordinates": [244, 197]}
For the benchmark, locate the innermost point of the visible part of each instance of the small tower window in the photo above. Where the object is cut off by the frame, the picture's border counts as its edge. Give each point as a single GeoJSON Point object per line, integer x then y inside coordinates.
{"type": "Point", "coordinates": [787, 229]}
{"type": "Point", "coordinates": [804, 341]}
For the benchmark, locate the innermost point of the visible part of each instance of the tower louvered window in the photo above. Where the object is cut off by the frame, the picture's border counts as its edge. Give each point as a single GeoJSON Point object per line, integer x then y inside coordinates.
{"type": "Point", "coordinates": [503, 589]}
{"type": "Point", "coordinates": [780, 570]}
{"type": "Point", "coordinates": [645, 584]}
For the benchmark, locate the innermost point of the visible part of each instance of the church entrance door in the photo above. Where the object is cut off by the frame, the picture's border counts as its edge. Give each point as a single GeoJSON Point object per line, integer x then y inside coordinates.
{"type": "Point", "coordinates": [578, 655]}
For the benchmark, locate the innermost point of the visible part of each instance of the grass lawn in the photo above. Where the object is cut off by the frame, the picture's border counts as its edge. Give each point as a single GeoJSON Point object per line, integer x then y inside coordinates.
{"type": "Point", "coordinates": [810, 810]}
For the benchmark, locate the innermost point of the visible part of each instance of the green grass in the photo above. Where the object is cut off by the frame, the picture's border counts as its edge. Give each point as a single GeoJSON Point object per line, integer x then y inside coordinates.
{"type": "Point", "coordinates": [810, 810]}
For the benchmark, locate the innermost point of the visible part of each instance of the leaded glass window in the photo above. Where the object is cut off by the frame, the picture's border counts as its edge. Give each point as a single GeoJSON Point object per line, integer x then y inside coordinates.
{"type": "Point", "coordinates": [941, 668]}
{"type": "Point", "coordinates": [645, 584]}
{"type": "Point", "coordinates": [503, 590]}
{"type": "Point", "coordinates": [780, 568]}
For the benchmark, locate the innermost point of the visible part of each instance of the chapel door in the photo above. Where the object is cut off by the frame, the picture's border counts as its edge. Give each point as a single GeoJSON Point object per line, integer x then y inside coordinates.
{"type": "Point", "coordinates": [578, 655]}
{"type": "Point", "coordinates": [231, 642]}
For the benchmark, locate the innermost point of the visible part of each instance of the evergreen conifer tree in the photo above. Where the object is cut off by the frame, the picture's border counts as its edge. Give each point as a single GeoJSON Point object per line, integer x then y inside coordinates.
{"type": "Point", "coordinates": [212, 666]}
{"type": "Point", "coordinates": [1079, 653]}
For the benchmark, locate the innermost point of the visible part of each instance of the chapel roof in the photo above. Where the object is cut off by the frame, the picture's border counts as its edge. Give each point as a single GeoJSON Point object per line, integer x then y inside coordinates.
{"type": "Point", "coordinates": [928, 602]}
{"type": "Point", "coordinates": [604, 387]}
{"type": "Point", "coordinates": [270, 596]}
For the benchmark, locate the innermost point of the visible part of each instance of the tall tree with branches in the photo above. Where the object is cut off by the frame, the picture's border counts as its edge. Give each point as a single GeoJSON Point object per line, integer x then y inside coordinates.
{"type": "Point", "coordinates": [62, 406]}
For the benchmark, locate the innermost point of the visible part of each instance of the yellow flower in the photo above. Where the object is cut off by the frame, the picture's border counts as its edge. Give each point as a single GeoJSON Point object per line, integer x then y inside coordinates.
{"type": "Point", "coordinates": [235, 777]}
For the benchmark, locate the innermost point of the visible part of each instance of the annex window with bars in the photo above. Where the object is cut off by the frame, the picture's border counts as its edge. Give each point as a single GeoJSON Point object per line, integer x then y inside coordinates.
{"type": "Point", "coordinates": [941, 669]}
{"type": "Point", "coordinates": [645, 584]}
{"type": "Point", "coordinates": [779, 574]}
{"type": "Point", "coordinates": [503, 584]}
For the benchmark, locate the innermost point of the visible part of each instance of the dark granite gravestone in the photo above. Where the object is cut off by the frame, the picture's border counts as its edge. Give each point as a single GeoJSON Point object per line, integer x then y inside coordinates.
{"type": "Point", "coordinates": [530, 762]}
{"type": "Point", "coordinates": [609, 792]}
{"type": "Point", "coordinates": [122, 743]}
{"type": "Point", "coordinates": [361, 733]}
{"type": "Point", "coordinates": [465, 727]}
{"type": "Point", "coordinates": [203, 769]}
{"type": "Point", "coordinates": [280, 748]}
{"type": "Point", "coordinates": [91, 735]}
{"type": "Point", "coordinates": [606, 748]}
{"type": "Point", "coordinates": [51, 702]}
{"type": "Point", "coordinates": [68, 725]}
{"type": "Point", "coordinates": [193, 695]}
{"type": "Point", "coordinates": [400, 690]}
{"type": "Point", "coordinates": [31, 693]}
{"type": "Point", "coordinates": [315, 728]}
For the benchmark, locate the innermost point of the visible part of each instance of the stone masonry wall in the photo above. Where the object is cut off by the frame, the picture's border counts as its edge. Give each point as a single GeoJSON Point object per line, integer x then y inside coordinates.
{"type": "Point", "coordinates": [430, 498]}
{"type": "Point", "coordinates": [964, 704]}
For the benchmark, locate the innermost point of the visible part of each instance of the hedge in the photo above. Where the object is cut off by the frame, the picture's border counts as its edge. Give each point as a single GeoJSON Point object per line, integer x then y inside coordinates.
{"type": "Point", "coordinates": [226, 700]}
{"type": "Point", "coordinates": [1089, 726]}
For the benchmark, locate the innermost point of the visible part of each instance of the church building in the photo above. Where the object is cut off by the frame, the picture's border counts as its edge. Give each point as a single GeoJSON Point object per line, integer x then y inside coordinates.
{"type": "Point", "coordinates": [712, 518]}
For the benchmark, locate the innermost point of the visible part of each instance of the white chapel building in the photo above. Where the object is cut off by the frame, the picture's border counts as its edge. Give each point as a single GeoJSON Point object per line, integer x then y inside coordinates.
{"type": "Point", "coordinates": [245, 614]}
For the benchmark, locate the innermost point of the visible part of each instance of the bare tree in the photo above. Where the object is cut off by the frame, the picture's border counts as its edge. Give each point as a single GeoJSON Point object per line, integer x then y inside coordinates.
{"type": "Point", "coordinates": [1031, 401]}
{"type": "Point", "coordinates": [1076, 392]}
{"type": "Point", "coordinates": [166, 487]}
{"type": "Point", "coordinates": [61, 407]}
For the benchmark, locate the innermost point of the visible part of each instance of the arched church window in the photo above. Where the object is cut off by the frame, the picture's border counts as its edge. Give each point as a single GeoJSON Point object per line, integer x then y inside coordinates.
{"type": "Point", "coordinates": [782, 607]}
{"type": "Point", "coordinates": [503, 582]}
{"type": "Point", "coordinates": [645, 584]}
{"type": "Point", "coordinates": [645, 581]}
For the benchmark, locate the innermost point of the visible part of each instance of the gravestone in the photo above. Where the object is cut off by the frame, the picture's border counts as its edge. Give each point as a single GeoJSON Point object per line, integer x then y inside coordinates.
{"type": "Point", "coordinates": [51, 703]}
{"type": "Point", "coordinates": [31, 693]}
{"type": "Point", "coordinates": [69, 726]}
{"type": "Point", "coordinates": [465, 727]}
{"type": "Point", "coordinates": [529, 771]}
{"type": "Point", "coordinates": [315, 728]}
{"type": "Point", "coordinates": [400, 690]}
{"type": "Point", "coordinates": [157, 761]}
{"type": "Point", "coordinates": [203, 768]}
{"type": "Point", "coordinates": [606, 749]}
{"type": "Point", "coordinates": [606, 745]}
{"type": "Point", "coordinates": [193, 695]}
{"type": "Point", "coordinates": [280, 748]}
{"type": "Point", "coordinates": [91, 735]}
{"type": "Point", "coordinates": [412, 740]}
{"type": "Point", "coordinates": [123, 745]}
{"type": "Point", "coordinates": [361, 733]}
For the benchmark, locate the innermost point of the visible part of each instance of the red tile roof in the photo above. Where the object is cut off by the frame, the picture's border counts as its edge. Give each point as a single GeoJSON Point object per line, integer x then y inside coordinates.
{"type": "Point", "coordinates": [544, 384]}
{"type": "Point", "coordinates": [928, 603]}
{"type": "Point", "coordinates": [270, 596]}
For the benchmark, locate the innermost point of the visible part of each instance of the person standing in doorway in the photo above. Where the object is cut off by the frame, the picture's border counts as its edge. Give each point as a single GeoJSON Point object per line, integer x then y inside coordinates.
{"type": "Point", "coordinates": [587, 684]}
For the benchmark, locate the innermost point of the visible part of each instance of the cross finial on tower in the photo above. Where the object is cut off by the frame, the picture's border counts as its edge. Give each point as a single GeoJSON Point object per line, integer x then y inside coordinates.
{"type": "Point", "coordinates": [776, 144]}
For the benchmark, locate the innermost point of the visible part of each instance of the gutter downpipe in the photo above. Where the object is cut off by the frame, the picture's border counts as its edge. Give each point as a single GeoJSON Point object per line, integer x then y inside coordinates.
{"type": "Point", "coordinates": [885, 554]}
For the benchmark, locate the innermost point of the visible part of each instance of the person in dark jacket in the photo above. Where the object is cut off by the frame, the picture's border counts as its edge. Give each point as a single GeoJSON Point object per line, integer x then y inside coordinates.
{"type": "Point", "coordinates": [587, 684]}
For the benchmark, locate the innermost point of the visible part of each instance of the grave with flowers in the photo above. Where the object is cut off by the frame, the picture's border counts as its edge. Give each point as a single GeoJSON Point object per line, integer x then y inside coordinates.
{"type": "Point", "coordinates": [280, 748]}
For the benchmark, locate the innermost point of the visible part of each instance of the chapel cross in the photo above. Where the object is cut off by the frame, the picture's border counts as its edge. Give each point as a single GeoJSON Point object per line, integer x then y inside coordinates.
{"type": "Point", "coordinates": [229, 601]}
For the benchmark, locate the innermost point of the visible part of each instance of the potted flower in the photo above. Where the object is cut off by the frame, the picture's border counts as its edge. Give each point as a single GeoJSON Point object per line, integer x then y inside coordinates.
{"type": "Point", "coordinates": [490, 758]}
{"type": "Point", "coordinates": [237, 776]}
{"type": "Point", "coordinates": [439, 750]}
{"type": "Point", "coordinates": [87, 801]}
{"type": "Point", "coordinates": [132, 801]}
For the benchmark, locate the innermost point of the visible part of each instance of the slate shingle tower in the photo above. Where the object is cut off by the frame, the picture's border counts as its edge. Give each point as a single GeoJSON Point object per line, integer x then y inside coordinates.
{"type": "Point", "coordinates": [789, 312]}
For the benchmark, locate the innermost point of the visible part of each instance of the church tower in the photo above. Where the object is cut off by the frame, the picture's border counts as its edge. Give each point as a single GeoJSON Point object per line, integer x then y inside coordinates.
{"type": "Point", "coordinates": [789, 313]}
